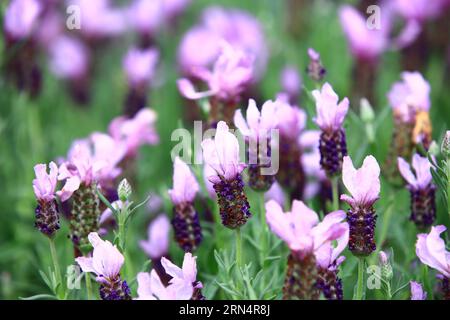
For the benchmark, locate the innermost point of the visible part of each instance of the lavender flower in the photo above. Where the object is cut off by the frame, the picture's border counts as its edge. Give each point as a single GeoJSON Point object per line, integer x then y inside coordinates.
{"type": "Point", "coordinates": [430, 249]}
{"type": "Point", "coordinates": [309, 242]}
{"type": "Point", "coordinates": [257, 130]}
{"type": "Point", "coordinates": [417, 292]}
{"type": "Point", "coordinates": [44, 186]}
{"type": "Point", "coordinates": [276, 194]}
{"type": "Point", "coordinates": [422, 189]}
{"type": "Point", "coordinates": [330, 117]}
{"type": "Point", "coordinates": [364, 187]}
{"type": "Point", "coordinates": [291, 83]}
{"type": "Point", "coordinates": [21, 17]}
{"type": "Point", "coordinates": [316, 70]}
{"type": "Point", "coordinates": [186, 224]}
{"type": "Point", "coordinates": [291, 122]}
{"type": "Point", "coordinates": [222, 155]}
{"type": "Point", "coordinates": [105, 263]}
{"type": "Point", "coordinates": [157, 244]}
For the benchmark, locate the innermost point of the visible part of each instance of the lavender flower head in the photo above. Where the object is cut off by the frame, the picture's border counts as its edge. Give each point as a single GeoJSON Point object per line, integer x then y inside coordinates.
{"type": "Point", "coordinates": [291, 83]}
{"type": "Point", "coordinates": [186, 224]}
{"type": "Point", "coordinates": [430, 249]}
{"type": "Point", "coordinates": [21, 17]}
{"type": "Point", "coordinates": [330, 118]}
{"type": "Point", "coordinates": [222, 155]}
{"type": "Point", "coordinates": [140, 66]}
{"type": "Point", "coordinates": [135, 132]}
{"type": "Point", "coordinates": [417, 292]}
{"type": "Point", "coordinates": [69, 58]}
{"type": "Point", "coordinates": [146, 16]}
{"type": "Point", "coordinates": [182, 286]}
{"type": "Point", "coordinates": [157, 244]}
{"type": "Point", "coordinates": [419, 10]}
{"type": "Point", "coordinates": [309, 241]}
{"type": "Point", "coordinates": [44, 186]}
{"type": "Point", "coordinates": [364, 187]}
{"type": "Point", "coordinates": [315, 69]}
{"type": "Point", "coordinates": [105, 263]}
{"type": "Point", "coordinates": [257, 130]}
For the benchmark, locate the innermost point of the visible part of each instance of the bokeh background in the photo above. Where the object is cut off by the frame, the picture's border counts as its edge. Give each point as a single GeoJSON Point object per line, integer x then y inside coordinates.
{"type": "Point", "coordinates": [41, 129]}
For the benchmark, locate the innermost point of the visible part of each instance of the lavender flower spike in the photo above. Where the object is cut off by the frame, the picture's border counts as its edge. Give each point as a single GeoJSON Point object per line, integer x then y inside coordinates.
{"type": "Point", "coordinates": [47, 219]}
{"type": "Point", "coordinates": [186, 224]}
{"type": "Point", "coordinates": [364, 187]}
{"type": "Point", "coordinates": [257, 131]}
{"type": "Point", "coordinates": [105, 263]}
{"type": "Point", "coordinates": [222, 155]}
{"type": "Point", "coordinates": [157, 244]}
{"type": "Point", "coordinates": [316, 71]}
{"type": "Point", "coordinates": [422, 189]}
{"type": "Point", "coordinates": [430, 249]}
{"type": "Point", "coordinates": [330, 118]}
{"type": "Point", "coordinates": [417, 292]}
{"type": "Point", "coordinates": [311, 249]}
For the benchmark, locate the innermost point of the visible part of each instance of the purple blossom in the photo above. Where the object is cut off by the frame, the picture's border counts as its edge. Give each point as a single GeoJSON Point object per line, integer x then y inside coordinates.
{"type": "Point", "coordinates": [106, 260]}
{"type": "Point", "coordinates": [291, 82]}
{"type": "Point", "coordinates": [157, 244]}
{"type": "Point", "coordinates": [417, 292]}
{"type": "Point", "coordinates": [276, 194]}
{"type": "Point", "coordinates": [422, 177]}
{"type": "Point", "coordinates": [93, 159]}
{"type": "Point", "coordinates": [419, 10]}
{"type": "Point", "coordinates": [44, 185]}
{"type": "Point", "coordinates": [185, 184]}
{"type": "Point", "coordinates": [291, 119]}
{"type": "Point", "coordinates": [222, 154]}
{"type": "Point", "coordinates": [410, 95]}
{"type": "Point", "coordinates": [301, 230]}
{"type": "Point", "coordinates": [69, 58]}
{"type": "Point", "coordinates": [140, 65]}
{"type": "Point", "coordinates": [231, 74]}
{"type": "Point", "coordinates": [146, 16]}
{"type": "Point", "coordinates": [430, 249]}
{"type": "Point", "coordinates": [21, 17]}
{"type": "Point", "coordinates": [136, 131]}
{"type": "Point", "coordinates": [330, 113]}
{"type": "Point", "coordinates": [363, 183]}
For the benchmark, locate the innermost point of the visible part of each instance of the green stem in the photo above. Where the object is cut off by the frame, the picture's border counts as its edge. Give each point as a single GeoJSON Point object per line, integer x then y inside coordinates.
{"type": "Point", "coordinates": [334, 187]}
{"type": "Point", "coordinates": [360, 284]}
{"type": "Point", "coordinates": [238, 248]}
{"type": "Point", "coordinates": [263, 229]}
{"type": "Point", "coordinates": [56, 263]}
{"type": "Point", "coordinates": [87, 277]}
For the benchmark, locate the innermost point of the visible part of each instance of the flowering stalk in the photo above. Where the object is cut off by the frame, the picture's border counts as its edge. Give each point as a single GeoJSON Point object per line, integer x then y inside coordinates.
{"type": "Point", "coordinates": [423, 206]}
{"type": "Point", "coordinates": [445, 150]}
{"type": "Point", "coordinates": [364, 186]}
{"type": "Point", "coordinates": [222, 155]}
{"type": "Point", "coordinates": [360, 282]}
{"type": "Point", "coordinates": [316, 70]}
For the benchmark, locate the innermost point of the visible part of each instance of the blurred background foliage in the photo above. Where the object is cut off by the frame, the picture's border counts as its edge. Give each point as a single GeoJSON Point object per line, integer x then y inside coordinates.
{"type": "Point", "coordinates": [40, 130]}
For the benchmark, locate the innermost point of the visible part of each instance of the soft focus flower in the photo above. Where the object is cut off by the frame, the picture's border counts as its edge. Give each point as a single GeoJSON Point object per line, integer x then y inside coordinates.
{"type": "Point", "coordinates": [301, 230]}
{"type": "Point", "coordinates": [231, 74]}
{"type": "Point", "coordinates": [140, 65]}
{"type": "Point", "coordinates": [21, 17]}
{"type": "Point", "coordinates": [173, 8]}
{"type": "Point", "coordinates": [146, 16]}
{"type": "Point", "coordinates": [99, 19]}
{"type": "Point", "coordinates": [410, 95]}
{"type": "Point", "coordinates": [69, 58]}
{"type": "Point", "coordinates": [136, 131]}
{"type": "Point", "coordinates": [276, 194]}
{"type": "Point", "coordinates": [238, 28]}
{"type": "Point", "coordinates": [417, 292]}
{"type": "Point", "coordinates": [222, 154]}
{"type": "Point", "coordinates": [185, 184]}
{"type": "Point", "coordinates": [157, 243]}
{"type": "Point", "coordinates": [291, 82]}
{"type": "Point", "coordinates": [422, 177]}
{"type": "Point", "coordinates": [44, 185]}
{"type": "Point", "coordinates": [363, 183]}
{"type": "Point", "coordinates": [107, 218]}
{"type": "Point", "coordinates": [315, 68]}
{"type": "Point", "coordinates": [330, 112]}
{"type": "Point", "coordinates": [419, 10]}
{"type": "Point", "coordinates": [93, 159]}
{"type": "Point", "coordinates": [290, 119]}
{"type": "Point", "coordinates": [430, 249]}
{"type": "Point", "coordinates": [365, 43]}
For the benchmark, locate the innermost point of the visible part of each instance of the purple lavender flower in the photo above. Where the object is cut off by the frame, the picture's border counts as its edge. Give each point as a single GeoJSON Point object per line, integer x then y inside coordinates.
{"type": "Point", "coordinates": [44, 186]}
{"type": "Point", "coordinates": [186, 224]}
{"type": "Point", "coordinates": [364, 187]}
{"type": "Point", "coordinates": [417, 292]}
{"type": "Point", "coordinates": [311, 250]}
{"type": "Point", "coordinates": [291, 83]}
{"type": "Point", "coordinates": [222, 155]}
{"type": "Point", "coordinates": [105, 263]}
{"type": "Point", "coordinates": [316, 71]}
{"type": "Point", "coordinates": [157, 244]}
{"type": "Point", "coordinates": [430, 249]}
{"type": "Point", "coordinates": [257, 130]}
{"type": "Point", "coordinates": [330, 118]}
{"type": "Point", "coordinates": [422, 190]}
